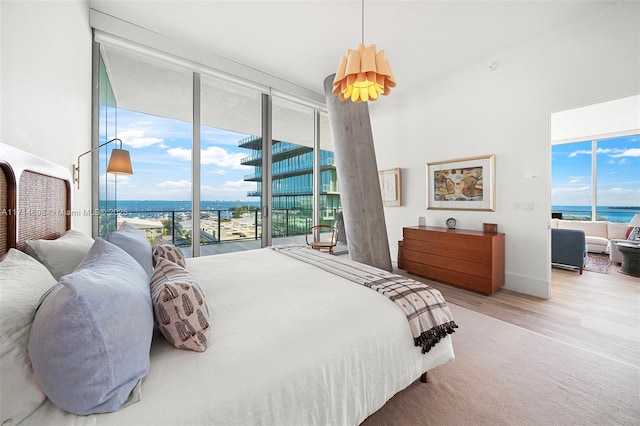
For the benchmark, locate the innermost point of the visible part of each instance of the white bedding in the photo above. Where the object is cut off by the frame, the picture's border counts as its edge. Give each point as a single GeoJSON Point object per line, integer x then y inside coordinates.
{"type": "Point", "coordinates": [291, 345]}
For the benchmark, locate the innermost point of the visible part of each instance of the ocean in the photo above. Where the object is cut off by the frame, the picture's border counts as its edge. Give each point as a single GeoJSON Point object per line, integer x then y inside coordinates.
{"type": "Point", "coordinates": [611, 214]}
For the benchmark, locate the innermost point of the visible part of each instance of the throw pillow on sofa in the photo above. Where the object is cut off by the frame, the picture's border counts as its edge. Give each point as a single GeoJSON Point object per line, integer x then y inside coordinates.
{"type": "Point", "coordinates": [634, 235]}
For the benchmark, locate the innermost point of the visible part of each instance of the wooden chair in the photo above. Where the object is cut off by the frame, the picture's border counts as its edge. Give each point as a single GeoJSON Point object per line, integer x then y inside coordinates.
{"type": "Point", "coordinates": [325, 237]}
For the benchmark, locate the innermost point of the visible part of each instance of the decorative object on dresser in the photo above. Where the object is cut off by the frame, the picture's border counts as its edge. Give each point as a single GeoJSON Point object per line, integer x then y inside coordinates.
{"type": "Point", "coordinates": [463, 184]}
{"type": "Point", "coordinates": [451, 223]}
{"type": "Point", "coordinates": [473, 260]}
{"type": "Point", "coordinates": [490, 228]}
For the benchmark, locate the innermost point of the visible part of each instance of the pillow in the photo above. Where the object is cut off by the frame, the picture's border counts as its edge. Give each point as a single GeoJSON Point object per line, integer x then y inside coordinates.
{"type": "Point", "coordinates": [166, 249]}
{"type": "Point", "coordinates": [131, 240]}
{"type": "Point", "coordinates": [24, 281]}
{"type": "Point", "coordinates": [62, 255]}
{"type": "Point", "coordinates": [91, 336]}
{"type": "Point", "coordinates": [179, 306]}
{"type": "Point", "coordinates": [634, 235]}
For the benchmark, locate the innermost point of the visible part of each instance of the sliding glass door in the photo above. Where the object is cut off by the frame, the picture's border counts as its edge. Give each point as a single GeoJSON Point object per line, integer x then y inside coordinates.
{"type": "Point", "coordinates": [204, 148]}
{"type": "Point", "coordinates": [230, 166]}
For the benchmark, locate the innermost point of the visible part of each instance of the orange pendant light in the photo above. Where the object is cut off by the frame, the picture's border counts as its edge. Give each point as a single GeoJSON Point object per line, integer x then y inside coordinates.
{"type": "Point", "coordinates": [363, 74]}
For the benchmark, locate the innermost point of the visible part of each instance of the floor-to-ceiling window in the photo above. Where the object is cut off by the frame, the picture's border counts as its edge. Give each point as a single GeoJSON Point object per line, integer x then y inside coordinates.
{"type": "Point", "coordinates": [213, 194]}
{"type": "Point", "coordinates": [230, 174]}
{"type": "Point", "coordinates": [107, 130]}
{"type": "Point", "coordinates": [596, 179]}
{"type": "Point", "coordinates": [153, 119]}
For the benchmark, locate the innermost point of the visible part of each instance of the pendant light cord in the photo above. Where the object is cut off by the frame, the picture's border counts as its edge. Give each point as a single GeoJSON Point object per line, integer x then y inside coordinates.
{"type": "Point", "coordinates": [362, 22]}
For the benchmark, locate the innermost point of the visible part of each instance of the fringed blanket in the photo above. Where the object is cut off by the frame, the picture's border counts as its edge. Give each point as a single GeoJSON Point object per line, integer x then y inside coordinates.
{"type": "Point", "coordinates": [425, 308]}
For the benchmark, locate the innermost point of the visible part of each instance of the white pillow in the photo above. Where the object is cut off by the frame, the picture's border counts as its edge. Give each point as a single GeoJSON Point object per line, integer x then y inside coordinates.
{"type": "Point", "coordinates": [24, 281]}
{"type": "Point", "coordinates": [61, 256]}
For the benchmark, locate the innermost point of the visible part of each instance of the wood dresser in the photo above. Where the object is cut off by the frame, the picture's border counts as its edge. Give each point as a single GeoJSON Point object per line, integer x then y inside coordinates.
{"type": "Point", "coordinates": [473, 260]}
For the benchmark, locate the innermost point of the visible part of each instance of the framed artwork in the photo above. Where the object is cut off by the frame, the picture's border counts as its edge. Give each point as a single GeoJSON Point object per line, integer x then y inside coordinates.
{"type": "Point", "coordinates": [391, 187]}
{"type": "Point", "coordinates": [463, 184]}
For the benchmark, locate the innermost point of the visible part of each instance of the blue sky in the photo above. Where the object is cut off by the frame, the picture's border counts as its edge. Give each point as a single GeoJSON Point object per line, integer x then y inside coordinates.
{"type": "Point", "coordinates": [161, 158]}
{"type": "Point", "coordinates": [618, 173]}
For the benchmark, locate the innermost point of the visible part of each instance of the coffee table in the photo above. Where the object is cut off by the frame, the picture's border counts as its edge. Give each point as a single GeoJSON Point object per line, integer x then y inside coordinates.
{"type": "Point", "coordinates": [630, 258]}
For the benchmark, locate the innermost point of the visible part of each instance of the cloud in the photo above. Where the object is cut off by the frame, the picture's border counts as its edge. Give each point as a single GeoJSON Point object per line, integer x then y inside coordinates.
{"type": "Point", "coordinates": [619, 191]}
{"type": "Point", "coordinates": [576, 179]}
{"type": "Point", "coordinates": [175, 184]}
{"type": "Point", "coordinates": [230, 190]}
{"type": "Point", "coordinates": [135, 138]}
{"type": "Point", "coordinates": [213, 155]}
{"type": "Point", "coordinates": [110, 179]}
{"type": "Point", "coordinates": [631, 152]}
{"type": "Point", "coordinates": [180, 153]}
{"type": "Point", "coordinates": [579, 152]}
{"type": "Point", "coordinates": [570, 189]}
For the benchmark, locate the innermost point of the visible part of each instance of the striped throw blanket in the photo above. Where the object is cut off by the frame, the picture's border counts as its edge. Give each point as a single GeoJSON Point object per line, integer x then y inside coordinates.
{"type": "Point", "coordinates": [425, 308]}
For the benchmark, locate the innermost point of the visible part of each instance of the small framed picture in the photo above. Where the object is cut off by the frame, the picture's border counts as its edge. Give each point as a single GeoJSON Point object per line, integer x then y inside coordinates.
{"type": "Point", "coordinates": [391, 187]}
{"type": "Point", "coordinates": [463, 184]}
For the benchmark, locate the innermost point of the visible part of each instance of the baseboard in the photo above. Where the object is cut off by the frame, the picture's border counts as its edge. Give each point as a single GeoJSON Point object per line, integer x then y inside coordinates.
{"type": "Point", "coordinates": [527, 285]}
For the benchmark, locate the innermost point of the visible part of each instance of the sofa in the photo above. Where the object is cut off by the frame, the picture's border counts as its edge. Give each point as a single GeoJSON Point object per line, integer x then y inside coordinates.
{"type": "Point", "coordinates": [600, 235]}
{"type": "Point", "coordinates": [568, 248]}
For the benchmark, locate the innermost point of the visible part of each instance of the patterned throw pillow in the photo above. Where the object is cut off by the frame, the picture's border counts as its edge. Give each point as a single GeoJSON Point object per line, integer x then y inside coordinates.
{"type": "Point", "coordinates": [166, 249]}
{"type": "Point", "coordinates": [179, 306]}
{"type": "Point", "coordinates": [634, 235]}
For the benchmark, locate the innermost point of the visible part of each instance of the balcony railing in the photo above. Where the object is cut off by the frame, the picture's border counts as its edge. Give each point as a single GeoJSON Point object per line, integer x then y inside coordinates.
{"type": "Point", "coordinates": [216, 225]}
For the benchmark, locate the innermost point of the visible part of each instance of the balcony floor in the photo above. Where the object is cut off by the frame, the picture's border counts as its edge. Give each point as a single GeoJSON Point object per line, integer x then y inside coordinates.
{"type": "Point", "coordinates": [232, 246]}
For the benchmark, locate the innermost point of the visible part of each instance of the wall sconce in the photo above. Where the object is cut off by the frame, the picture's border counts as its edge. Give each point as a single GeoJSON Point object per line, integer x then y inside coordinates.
{"type": "Point", "coordinates": [119, 163]}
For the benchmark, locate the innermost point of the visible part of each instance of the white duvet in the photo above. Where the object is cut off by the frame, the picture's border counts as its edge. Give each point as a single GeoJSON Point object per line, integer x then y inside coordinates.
{"type": "Point", "coordinates": [291, 345]}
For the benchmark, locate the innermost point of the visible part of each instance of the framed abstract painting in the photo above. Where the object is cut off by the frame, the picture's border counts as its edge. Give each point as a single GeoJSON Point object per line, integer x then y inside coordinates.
{"type": "Point", "coordinates": [462, 184]}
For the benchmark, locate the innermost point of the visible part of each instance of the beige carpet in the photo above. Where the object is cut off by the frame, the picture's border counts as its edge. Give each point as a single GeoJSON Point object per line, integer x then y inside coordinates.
{"type": "Point", "coordinates": [506, 375]}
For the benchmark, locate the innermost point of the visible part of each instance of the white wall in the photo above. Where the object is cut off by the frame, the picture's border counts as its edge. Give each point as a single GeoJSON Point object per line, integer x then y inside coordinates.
{"type": "Point", "coordinates": [597, 121]}
{"type": "Point", "coordinates": [475, 111]}
{"type": "Point", "coordinates": [46, 85]}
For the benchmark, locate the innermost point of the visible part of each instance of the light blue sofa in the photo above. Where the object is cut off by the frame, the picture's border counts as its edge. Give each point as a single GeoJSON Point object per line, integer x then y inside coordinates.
{"type": "Point", "coordinates": [568, 248]}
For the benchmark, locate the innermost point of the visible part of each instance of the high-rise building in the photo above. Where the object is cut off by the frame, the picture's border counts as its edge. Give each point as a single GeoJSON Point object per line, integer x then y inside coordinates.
{"type": "Point", "coordinates": [292, 184]}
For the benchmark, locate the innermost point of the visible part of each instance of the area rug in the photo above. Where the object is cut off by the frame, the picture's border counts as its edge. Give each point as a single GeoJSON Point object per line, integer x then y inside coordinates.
{"type": "Point", "coordinates": [597, 262]}
{"type": "Point", "coordinates": [506, 375]}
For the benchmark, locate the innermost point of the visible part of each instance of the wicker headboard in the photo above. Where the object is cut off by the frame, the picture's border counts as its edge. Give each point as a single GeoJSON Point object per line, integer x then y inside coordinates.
{"type": "Point", "coordinates": [35, 198]}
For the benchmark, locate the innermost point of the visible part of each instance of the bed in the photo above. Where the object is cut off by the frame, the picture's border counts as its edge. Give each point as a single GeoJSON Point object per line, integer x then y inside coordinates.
{"type": "Point", "coordinates": [288, 342]}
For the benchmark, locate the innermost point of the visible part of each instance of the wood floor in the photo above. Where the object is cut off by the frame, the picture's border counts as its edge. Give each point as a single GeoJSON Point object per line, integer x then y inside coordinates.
{"type": "Point", "coordinates": [596, 312]}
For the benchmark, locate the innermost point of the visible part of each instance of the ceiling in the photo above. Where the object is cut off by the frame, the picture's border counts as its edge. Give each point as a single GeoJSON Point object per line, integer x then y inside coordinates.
{"type": "Point", "coordinates": [302, 42]}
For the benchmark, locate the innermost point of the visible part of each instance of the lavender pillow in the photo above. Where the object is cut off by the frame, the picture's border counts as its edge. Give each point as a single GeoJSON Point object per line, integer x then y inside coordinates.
{"type": "Point", "coordinates": [91, 336]}
{"type": "Point", "coordinates": [131, 240]}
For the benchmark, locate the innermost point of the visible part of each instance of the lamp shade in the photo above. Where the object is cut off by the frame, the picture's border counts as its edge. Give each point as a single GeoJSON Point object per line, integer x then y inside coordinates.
{"type": "Point", "coordinates": [362, 75]}
{"type": "Point", "coordinates": [635, 221]}
{"type": "Point", "coordinates": [120, 162]}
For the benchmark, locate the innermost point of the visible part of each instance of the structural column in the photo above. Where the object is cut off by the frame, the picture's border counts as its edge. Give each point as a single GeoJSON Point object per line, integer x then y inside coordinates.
{"type": "Point", "coordinates": [357, 171]}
